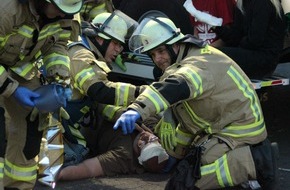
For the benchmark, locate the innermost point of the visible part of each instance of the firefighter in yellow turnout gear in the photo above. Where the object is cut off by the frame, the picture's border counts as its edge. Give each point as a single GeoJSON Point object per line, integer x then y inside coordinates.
{"type": "Point", "coordinates": [90, 60]}
{"type": "Point", "coordinates": [216, 107]}
{"type": "Point", "coordinates": [30, 30]}
{"type": "Point", "coordinates": [101, 42]}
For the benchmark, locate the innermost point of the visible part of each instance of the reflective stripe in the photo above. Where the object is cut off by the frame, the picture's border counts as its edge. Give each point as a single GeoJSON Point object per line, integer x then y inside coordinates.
{"type": "Point", "coordinates": [109, 111]}
{"type": "Point", "coordinates": [37, 55]}
{"type": "Point", "coordinates": [223, 172]}
{"type": "Point", "coordinates": [245, 130]}
{"type": "Point", "coordinates": [23, 69]}
{"type": "Point", "coordinates": [2, 69]}
{"type": "Point", "coordinates": [53, 29]}
{"type": "Point", "coordinates": [20, 173]}
{"type": "Point", "coordinates": [93, 10]}
{"type": "Point", "coordinates": [194, 78]}
{"type": "Point", "coordinates": [65, 34]}
{"type": "Point", "coordinates": [1, 169]}
{"type": "Point", "coordinates": [122, 93]}
{"type": "Point", "coordinates": [183, 138]}
{"type": "Point", "coordinates": [155, 98]}
{"type": "Point", "coordinates": [82, 76]}
{"type": "Point", "coordinates": [3, 40]}
{"type": "Point", "coordinates": [26, 31]}
{"type": "Point", "coordinates": [85, 109]}
{"type": "Point", "coordinates": [199, 122]}
{"type": "Point", "coordinates": [248, 92]}
{"type": "Point", "coordinates": [49, 30]}
{"type": "Point", "coordinates": [97, 10]}
{"type": "Point", "coordinates": [77, 134]}
{"type": "Point", "coordinates": [219, 168]}
{"type": "Point", "coordinates": [56, 59]}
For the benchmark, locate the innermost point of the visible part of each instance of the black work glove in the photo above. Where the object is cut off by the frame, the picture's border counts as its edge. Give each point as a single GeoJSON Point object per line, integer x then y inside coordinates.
{"type": "Point", "coordinates": [186, 172]}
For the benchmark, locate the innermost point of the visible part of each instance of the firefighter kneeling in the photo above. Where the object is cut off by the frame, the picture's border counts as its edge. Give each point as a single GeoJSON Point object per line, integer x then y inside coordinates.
{"type": "Point", "coordinates": [214, 103]}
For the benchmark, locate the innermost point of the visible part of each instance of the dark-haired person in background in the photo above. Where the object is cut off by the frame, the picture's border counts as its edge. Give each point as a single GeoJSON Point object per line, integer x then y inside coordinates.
{"type": "Point", "coordinates": [256, 37]}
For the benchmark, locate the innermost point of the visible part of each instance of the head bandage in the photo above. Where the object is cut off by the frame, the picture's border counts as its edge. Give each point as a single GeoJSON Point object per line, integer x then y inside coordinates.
{"type": "Point", "coordinates": [151, 150]}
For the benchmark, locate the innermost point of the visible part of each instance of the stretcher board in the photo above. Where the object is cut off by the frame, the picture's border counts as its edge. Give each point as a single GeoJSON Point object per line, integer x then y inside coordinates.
{"type": "Point", "coordinates": [50, 165]}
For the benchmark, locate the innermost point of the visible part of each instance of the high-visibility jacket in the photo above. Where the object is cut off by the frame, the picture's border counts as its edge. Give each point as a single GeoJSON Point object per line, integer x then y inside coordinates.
{"type": "Point", "coordinates": [23, 41]}
{"type": "Point", "coordinates": [89, 77]}
{"type": "Point", "coordinates": [209, 93]}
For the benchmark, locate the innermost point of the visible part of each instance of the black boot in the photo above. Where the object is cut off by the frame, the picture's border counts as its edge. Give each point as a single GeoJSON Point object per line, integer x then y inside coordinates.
{"type": "Point", "coordinates": [265, 156]}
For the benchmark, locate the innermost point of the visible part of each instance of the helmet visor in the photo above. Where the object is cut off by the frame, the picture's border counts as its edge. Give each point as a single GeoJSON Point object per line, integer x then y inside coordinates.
{"type": "Point", "coordinates": [117, 26]}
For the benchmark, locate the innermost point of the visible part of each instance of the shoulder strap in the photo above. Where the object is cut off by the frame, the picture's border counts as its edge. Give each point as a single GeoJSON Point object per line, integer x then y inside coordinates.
{"type": "Point", "coordinates": [82, 42]}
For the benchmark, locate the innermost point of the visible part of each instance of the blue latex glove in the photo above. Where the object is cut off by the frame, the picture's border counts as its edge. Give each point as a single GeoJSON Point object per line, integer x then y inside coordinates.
{"type": "Point", "coordinates": [65, 93]}
{"type": "Point", "coordinates": [25, 96]}
{"type": "Point", "coordinates": [127, 121]}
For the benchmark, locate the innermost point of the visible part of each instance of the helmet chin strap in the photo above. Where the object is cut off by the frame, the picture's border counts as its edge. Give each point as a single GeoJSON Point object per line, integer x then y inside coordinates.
{"type": "Point", "coordinates": [172, 53]}
{"type": "Point", "coordinates": [102, 48]}
{"type": "Point", "coordinates": [157, 72]}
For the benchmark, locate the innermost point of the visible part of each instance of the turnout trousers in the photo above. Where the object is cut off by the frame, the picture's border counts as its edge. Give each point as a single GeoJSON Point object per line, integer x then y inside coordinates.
{"type": "Point", "coordinates": [23, 142]}
{"type": "Point", "coordinates": [222, 166]}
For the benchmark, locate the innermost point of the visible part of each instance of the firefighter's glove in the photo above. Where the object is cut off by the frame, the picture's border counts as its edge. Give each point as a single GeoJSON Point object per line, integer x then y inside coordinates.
{"type": "Point", "coordinates": [129, 56]}
{"type": "Point", "coordinates": [25, 96]}
{"type": "Point", "coordinates": [127, 121]}
{"type": "Point", "coordinates": [187, 172]}
{"type": "Point", "coordinates": [165, 129]}
{"type": "Point", "coordinates": [121, 63]}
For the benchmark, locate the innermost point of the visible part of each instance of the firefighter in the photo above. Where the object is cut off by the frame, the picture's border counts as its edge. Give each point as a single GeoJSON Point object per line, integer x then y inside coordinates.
{"type": "Point", "coordinates": [31, 30]}
{"type": "Point", "coordinates": [221, 133]}
{"type": "Point", "coordinates": [101, 42]}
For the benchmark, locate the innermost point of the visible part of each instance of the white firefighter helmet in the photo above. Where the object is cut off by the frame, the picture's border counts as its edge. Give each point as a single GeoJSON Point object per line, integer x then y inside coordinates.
{"type": "Point", "coordinates": [68, 6]}
{"type": "Point", "coordinates": [153, 32]}
{"type": "Point", "coordinates": [114, 25]}
{"type": "Point", "coordinates": [286, 6]}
